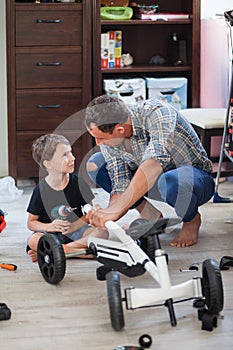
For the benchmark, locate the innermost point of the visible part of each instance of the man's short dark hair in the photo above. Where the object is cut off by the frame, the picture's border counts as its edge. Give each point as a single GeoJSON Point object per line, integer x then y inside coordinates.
{"type": "Point", "coordinates": [106, 112]}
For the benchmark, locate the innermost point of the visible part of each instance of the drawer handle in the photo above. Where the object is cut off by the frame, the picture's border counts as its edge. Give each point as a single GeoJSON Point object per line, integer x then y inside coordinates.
{"type": "Point", "coordinates": [49, 106]}
{"type": "Point", "coordinates": [48, 21]}
{"type": "Point", "coordinates": [45, 64]}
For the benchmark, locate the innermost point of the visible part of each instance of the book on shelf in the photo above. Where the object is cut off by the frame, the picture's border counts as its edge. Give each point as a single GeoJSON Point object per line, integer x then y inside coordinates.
{"type": "Point", "coordinates": [162, 16]}
{"type": "Point", "coordinates": [118, 48]}
{"type": "Point", "coordinates": [111, 49]}
{"type": "Point", "coordinates": [104, 50]}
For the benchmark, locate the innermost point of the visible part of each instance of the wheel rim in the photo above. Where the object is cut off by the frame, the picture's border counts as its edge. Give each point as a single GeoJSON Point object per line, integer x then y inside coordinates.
{"type": "Point", "coordinates": [51, 259]}
{"type": "Point", "coordinates": [47, 260]}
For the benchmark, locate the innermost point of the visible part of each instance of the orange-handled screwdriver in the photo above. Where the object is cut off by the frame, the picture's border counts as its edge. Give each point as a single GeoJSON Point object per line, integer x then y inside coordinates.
{"type": "Point", "coordinates": [11, 267]}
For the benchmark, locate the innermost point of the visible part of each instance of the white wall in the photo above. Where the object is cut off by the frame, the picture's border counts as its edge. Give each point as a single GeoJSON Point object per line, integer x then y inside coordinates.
{"type": "Point", "coordinates": [209, 8]}
{"type": "Point", "coordinates": [215, 54]}
{"type": "Point", "coordinates": [3, 94]}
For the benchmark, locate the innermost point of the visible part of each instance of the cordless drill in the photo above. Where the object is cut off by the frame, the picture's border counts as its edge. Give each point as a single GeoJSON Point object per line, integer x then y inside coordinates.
{"type": "Point", "coordinates": [61, 212]}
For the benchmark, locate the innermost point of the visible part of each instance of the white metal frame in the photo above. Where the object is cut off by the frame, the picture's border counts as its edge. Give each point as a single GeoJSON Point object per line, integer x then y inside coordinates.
{"type": "Point", "coordinates": [126, 250]}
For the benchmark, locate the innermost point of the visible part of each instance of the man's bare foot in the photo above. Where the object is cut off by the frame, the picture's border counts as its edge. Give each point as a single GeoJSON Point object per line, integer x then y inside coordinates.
{"type": "Point", "coordinates": [189, 233]}
{"type": "Point", "coordinates": [33, 255]}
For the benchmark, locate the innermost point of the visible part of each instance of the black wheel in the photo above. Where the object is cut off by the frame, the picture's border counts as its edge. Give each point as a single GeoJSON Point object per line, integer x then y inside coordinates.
{"type": "Point", "coordinates": [114, 300]}
{"type": "Point", "coordinates": [212, 287]}
{"type": "Point", "coordinates": [51, 259]}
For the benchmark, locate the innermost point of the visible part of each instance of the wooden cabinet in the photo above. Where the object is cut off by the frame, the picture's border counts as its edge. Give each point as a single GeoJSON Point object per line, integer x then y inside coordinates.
{"type": "Point", "coordinates": [49, 77]}
{"type": "Point", "coordinates": [144, 39]}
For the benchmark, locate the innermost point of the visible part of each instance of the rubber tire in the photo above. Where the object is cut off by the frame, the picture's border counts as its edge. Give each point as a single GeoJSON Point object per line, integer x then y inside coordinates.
{"type": "Point", "coordinates": [115, 300]}
{"type": "Point", "coordinates": [53, 270]}
{"type": "Point", "coordinates": [212, 287]}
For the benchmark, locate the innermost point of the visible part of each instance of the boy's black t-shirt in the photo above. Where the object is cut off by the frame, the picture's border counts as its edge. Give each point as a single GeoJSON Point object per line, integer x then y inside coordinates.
{"type": "Point", "coordinates": [76, 194]}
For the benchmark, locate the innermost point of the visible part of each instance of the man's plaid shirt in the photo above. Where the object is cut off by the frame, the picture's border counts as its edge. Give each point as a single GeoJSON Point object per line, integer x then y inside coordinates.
{"type": "Point", "coordinates": [160, 132]}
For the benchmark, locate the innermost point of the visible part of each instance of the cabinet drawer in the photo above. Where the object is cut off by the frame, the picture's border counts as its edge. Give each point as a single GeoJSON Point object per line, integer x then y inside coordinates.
{"type": "Point", "coordinates": [48, 70]}
{"type": "Point", "coordinates": [26, 166]}
{"type": "Point", "coordinates": [43, 28]}
{"type": "Point", "coordinates": [48, 109]}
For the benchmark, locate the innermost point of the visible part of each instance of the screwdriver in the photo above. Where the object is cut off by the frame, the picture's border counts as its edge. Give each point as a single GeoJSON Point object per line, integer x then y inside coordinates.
{"type": "Point", "coordinates": [11, 267]}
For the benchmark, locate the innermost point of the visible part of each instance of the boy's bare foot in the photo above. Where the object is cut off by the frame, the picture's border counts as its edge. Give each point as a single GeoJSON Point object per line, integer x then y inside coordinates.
{"type": "Point", "coordinates": [33, 255]}
{"type": "Point", "coordinates": [189, 233]}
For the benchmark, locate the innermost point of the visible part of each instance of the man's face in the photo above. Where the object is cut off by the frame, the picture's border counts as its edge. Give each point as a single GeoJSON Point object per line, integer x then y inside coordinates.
{"type": "Point", "coordinates": [113, 140]}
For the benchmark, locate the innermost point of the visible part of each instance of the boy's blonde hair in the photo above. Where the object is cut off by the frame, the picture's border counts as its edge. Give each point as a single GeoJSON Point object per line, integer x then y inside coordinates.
{"type": "Point", "coordinates": [45, 146]}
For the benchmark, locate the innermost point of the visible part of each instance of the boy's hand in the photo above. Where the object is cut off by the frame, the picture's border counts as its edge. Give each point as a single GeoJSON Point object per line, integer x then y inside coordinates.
{"type": "Point", "coordinates": [62, 226]}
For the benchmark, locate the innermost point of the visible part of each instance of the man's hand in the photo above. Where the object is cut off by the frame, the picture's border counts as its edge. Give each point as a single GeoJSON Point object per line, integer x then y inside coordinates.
{"type": "Point", "coordinates": [144, 178]}
{"type": "Point", "coordinates": [97, 216]}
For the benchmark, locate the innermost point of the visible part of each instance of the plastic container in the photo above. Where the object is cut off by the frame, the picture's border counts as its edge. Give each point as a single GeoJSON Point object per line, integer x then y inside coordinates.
{"type": "Point", "coordinates": [171, 90]}
{"type": "Point", "coordinates": [131, 91]}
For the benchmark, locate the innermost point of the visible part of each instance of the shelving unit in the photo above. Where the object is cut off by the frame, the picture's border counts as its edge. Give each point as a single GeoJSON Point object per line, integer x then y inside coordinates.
{"type": "Point", "coordinates": [49, 77]}
{"type": "Point", "coordinates": [145, 38]}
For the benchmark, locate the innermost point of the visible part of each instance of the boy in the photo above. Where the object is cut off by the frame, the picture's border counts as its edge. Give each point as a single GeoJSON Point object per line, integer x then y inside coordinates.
{"type": "Point", "coordinates": [60, 187]}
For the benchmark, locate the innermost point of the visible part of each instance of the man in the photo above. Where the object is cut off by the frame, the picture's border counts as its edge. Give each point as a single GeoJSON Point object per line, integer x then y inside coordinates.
{"type": "Point", "coordinates": [148, 150]}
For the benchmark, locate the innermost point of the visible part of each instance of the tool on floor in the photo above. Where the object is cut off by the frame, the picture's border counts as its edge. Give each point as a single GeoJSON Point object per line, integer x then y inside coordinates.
{"type": "Point", "coordinates": [2, 220]}
{"type": "Point", "coordinates": [5, 312]}
{"type": "Point", "coordinates": [11, 267]}
{"type": "Point", "coordinates": [191, 268]}
{"type": "Point", "coordinates": [227, 138]}
{"type": "Point", "coordinates": [144, 341]}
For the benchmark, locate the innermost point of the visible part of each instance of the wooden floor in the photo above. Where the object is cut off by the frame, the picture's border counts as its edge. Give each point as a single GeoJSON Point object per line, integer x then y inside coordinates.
{"type": "Point", "coordinates": [74, 314]}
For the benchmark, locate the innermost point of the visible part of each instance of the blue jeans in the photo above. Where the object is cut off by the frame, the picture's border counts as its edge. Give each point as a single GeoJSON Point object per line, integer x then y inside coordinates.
{"type": "Point", "coordinates": [185, 188]}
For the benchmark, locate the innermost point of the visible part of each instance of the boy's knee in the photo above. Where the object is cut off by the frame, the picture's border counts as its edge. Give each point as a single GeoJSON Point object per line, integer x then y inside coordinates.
{"type": "Point", "coordinates": [91, 166]}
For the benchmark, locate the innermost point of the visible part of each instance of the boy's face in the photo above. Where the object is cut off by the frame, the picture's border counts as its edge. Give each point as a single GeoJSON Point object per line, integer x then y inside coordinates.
{"type": "Point", "coordinates": [62, 160]}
